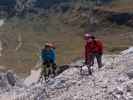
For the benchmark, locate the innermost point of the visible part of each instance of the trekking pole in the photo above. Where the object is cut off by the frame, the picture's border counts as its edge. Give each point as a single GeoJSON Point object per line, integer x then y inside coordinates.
{"type": "Point", "coordinates": [45, 90]}
{"type": "Point", "coordinates": [44, 83]}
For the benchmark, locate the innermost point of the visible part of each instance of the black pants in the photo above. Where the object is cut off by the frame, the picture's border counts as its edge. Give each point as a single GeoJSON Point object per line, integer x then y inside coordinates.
{"type": "Point", "coordinates": [98, 56]}
{"type": "Point", "coordinates": [48, 68]}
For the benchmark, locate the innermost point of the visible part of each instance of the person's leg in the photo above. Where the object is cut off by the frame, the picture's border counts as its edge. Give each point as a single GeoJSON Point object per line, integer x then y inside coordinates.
{"type": "Point", "coordinates": [49, 69]}
{"type": "Point", "coordinates": [92, 59]}
{"type": "Point", "coordinates": [90, 63]}
{"type": "Point", "coordinates": [54, 69]}
{"type": "Point", "coordinates": [44, 71]}
{"type": "Point", "coordinates": [99, 59]}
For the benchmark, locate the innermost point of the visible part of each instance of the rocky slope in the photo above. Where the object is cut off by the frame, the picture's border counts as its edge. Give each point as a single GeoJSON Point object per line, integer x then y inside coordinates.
{"type": "Point", "coordinates": [112, 82]}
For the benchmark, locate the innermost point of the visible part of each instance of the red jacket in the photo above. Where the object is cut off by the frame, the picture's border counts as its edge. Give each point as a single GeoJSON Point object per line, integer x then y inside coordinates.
{"type": "Point", "coordinates": [98, 46]}
{"type": "Point", "coordinates": [93, 47]}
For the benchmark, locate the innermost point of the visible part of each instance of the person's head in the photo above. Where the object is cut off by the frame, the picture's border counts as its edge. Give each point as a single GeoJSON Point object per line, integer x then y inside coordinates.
{"type": "Point", "coordinates": [89, 37]}
{"type": "Point", "coordinates": [48, 46]}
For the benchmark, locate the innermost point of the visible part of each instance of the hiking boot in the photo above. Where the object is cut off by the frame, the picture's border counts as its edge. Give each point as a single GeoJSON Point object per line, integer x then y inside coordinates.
{"type": "Point", "coordinates": [100, 66]}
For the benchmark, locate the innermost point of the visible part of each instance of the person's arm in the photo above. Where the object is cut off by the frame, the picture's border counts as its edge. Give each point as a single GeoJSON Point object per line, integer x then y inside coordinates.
{"type": "Point", "coordinates": [42, 54]}
{"type": "Point", "coordinates": [86, 54]}
{"type": "Point", "coordinates": [53, 55]}
{"type": "Point", "coordinates": [100, 47]}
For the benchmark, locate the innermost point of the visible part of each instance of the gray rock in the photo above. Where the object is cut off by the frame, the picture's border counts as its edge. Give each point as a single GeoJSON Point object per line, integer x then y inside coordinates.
{"type": "Point", "coordinates": [130, 74]}
{"type": "Point", "coordinates": [62, 68]}
{"type": "Point", "coordinates": [58, 84]}
{"type": "Point", "coordinates": [11, 78]}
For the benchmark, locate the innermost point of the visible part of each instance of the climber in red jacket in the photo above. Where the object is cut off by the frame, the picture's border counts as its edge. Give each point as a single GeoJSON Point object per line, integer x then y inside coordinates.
{"type": "Point", "coordinates": [93, 49]}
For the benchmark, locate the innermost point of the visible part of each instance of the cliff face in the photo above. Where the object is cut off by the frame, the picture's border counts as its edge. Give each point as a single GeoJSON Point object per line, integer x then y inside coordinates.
{"type": "Point", "coordinates": [9, 3]}
{"type": "Point", "coordinates": [49, 3]}
{"type": "Point", "coordinates": [32, 4]}
{"type": "Point", "coordinates": [35, 5]}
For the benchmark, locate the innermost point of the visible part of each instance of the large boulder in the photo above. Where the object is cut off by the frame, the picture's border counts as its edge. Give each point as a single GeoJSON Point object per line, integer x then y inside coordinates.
{"type": "Point", "coordinates": [130, 74]}
{"type": "Point", "coordinates": [11, 78]}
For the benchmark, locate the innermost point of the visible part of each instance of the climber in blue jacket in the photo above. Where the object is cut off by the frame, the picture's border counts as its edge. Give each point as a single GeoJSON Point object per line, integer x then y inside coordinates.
{"type": "Point", "coordinates": [48, 56]}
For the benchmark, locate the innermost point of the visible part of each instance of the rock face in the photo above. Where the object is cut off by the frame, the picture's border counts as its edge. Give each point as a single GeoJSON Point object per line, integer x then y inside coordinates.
{"type": "Point", "coordinates": [9, 3]}
{"type": "Point", "coordinates": [108, 83]}
{"type": "Point", "coordinates": [49, 3]}
{"type": "Point", "coordinates": [22, 5]}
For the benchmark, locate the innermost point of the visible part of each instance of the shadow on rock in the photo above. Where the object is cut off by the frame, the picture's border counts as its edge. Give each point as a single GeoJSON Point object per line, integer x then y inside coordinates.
{"type": "Point", "coordinates": [61, 69]}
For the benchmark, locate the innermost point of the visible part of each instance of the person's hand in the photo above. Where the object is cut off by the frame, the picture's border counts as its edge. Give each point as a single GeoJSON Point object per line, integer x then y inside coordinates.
{"type": "Point", "coordinates": [101, 53]}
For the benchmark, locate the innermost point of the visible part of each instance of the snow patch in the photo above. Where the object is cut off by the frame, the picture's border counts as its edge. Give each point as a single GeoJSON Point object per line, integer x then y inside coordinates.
{"type": "Point", "coordinates": [2, 21]}
{"type": "Point", "coordinates": [128, 51]}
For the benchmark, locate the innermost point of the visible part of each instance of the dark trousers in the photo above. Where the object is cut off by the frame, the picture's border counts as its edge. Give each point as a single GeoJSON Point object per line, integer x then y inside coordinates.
{"type": "Point", "coordinates": [48, 68]}
{"type": "Point", "coordinates": [98, 56]}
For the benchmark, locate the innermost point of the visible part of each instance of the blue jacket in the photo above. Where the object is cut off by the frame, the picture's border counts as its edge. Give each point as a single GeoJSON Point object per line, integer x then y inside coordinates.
{"type": "Point", "coordinates": [48, 55]}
